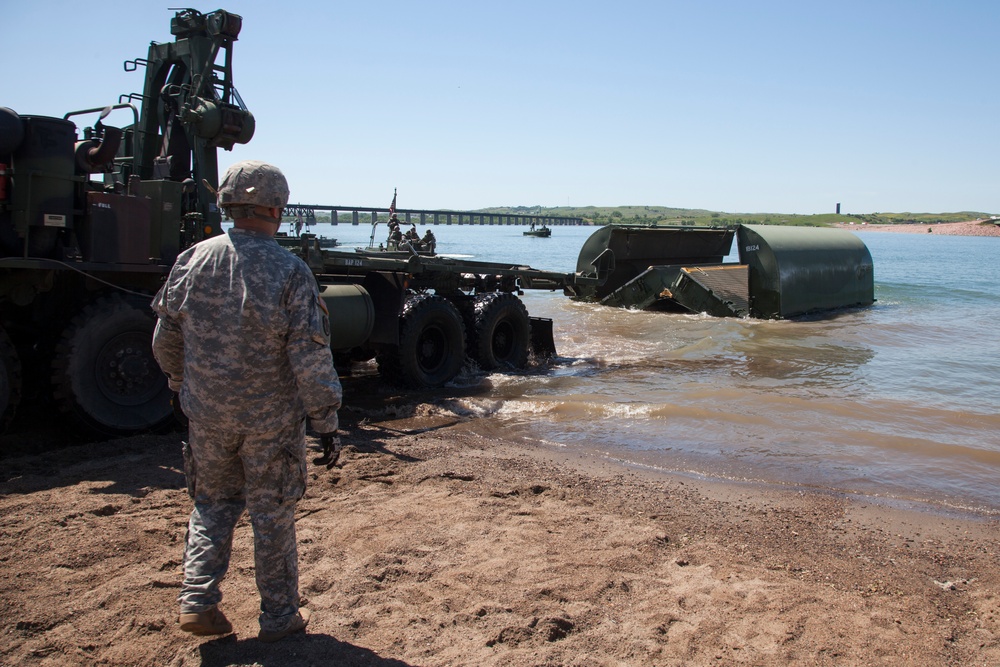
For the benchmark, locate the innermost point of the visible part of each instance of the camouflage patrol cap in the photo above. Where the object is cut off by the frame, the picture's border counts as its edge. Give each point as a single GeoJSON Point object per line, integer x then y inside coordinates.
{"type": "Point", "coordinates": [253, 183]}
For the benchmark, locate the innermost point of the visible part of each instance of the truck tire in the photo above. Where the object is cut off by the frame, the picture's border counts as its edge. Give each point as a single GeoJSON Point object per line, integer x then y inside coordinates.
{"type": "Point", "coordinates": [10, 381]}
{"type": "Point", "coordinates": [502, 332]}
{"type": "Point", "coordinates": [431, 347]}
{"type": "Point", "coordinates": [104, 375]}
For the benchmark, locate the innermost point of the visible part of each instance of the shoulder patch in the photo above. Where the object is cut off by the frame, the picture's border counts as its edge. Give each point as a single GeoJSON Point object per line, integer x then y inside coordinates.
{"type": "Point", "coordinates": [324, 321]}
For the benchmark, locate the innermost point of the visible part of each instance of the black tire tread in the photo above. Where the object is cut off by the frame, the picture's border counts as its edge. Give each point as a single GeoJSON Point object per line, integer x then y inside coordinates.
{"type": "Point", "coordinates": [494, 309]}
{"type": "Point", "coordinates": [398, 365]}
{"type": "Point", "coordinates": [71, 372]}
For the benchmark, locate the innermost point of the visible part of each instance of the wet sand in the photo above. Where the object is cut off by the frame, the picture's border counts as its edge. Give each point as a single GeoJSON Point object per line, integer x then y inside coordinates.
{"type": "Point", "coordinates": [444, 540]}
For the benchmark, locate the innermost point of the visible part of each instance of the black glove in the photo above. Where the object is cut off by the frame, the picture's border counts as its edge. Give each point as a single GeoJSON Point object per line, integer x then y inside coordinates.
{"type": "Point", "coordinates": [331, 450]}
{"type": "Point", "coordinates": [175, 403]}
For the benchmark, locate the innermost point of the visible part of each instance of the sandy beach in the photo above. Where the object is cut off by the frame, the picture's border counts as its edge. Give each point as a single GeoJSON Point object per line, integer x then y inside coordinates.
{"type": "Point", "coordinates": [443, 539]}
{"type": "Point", "coordinates": [968, 228]}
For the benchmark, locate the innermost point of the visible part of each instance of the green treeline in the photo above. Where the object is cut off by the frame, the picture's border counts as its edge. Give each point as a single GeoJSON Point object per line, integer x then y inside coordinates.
{"type": "Point", "coordinates": [662, 215]}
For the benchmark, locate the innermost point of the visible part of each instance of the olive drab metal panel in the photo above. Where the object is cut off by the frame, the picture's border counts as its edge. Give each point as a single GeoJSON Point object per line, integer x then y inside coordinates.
{"type": "Point", "coordinates": [797, 270]}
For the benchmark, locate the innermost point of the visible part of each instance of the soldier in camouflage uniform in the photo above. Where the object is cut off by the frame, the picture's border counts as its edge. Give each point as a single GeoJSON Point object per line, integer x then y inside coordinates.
{"type": "Point", "coordinates": [244, 338]}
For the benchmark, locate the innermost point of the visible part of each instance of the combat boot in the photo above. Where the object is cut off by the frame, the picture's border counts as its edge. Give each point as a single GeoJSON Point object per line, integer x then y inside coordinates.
{"type": "Point", "coordinates": [208, 622]}
{"type": "Point", "coordinates": [299, 622]}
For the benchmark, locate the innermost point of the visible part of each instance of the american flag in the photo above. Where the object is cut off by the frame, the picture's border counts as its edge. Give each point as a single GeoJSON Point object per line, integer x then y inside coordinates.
{"type": "Point", "coordinates": [392, 206]}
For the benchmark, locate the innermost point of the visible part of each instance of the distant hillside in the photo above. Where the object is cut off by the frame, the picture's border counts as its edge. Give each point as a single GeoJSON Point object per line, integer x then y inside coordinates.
{"type": "Point", "coordinates": [665, 215]}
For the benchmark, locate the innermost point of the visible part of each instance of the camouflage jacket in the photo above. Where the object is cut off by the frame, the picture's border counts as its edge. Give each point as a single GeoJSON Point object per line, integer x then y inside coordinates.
{"type": "Point", "coordinates": [244, 337]}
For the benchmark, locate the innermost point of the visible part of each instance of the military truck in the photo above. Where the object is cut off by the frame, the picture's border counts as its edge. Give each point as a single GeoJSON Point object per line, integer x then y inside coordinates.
{"type": "Point", "coordinates": [92, 219]}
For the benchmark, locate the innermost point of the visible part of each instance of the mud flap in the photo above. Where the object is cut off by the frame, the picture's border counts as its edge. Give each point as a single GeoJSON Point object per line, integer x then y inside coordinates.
{"type": "Point", "coordinates": [542, 342]}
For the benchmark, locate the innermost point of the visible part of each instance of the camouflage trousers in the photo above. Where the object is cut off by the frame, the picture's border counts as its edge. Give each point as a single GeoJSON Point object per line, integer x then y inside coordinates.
{"type": "Point", "coordinates": [227, 473]}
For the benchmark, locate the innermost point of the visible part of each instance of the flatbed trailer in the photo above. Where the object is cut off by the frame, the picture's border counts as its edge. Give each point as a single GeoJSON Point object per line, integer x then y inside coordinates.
{"type": "Point", "coordinates": [423, 317]}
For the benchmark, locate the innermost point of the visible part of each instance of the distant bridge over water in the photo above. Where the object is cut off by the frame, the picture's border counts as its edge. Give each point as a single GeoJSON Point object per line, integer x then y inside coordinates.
{"type": "Point", "coordinates": [356, 215]}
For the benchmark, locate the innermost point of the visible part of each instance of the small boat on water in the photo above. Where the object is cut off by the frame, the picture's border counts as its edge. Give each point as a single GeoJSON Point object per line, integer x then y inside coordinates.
{"type": "Point", "coordinates": [402, 251]}
{"type": "Point", "coordinates": [541, 232]}
{"type": "Point", "coordinates": [399, 244]}
{"type": "Point", "coordinates": [307, 238]}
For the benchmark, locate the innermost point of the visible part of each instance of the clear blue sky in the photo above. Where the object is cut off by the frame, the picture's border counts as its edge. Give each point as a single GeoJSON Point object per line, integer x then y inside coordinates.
{"type": "Point", "coordinates": [766, 106]}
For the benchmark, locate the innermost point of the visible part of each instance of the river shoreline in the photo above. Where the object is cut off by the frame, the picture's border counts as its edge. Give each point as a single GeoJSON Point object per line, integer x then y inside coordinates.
{"type": "Point", "coordinates": [968, 228]}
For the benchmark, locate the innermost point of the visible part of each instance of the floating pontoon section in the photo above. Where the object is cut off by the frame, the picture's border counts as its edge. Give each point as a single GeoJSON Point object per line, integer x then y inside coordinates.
{"type": "Point", "coordinates": [799, 270]}
{"type": "Point", "coordinates": [632, 250]}
{"type": "Point", "coordinates": [783, 271]}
